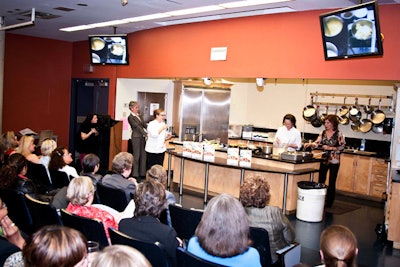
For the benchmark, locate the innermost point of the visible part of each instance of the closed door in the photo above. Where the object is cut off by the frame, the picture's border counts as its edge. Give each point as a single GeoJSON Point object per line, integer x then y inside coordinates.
{"type": "Point", "coordinates": [148, 102]}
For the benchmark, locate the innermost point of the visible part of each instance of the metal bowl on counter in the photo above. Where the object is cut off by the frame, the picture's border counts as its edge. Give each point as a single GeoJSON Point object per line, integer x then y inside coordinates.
{"type": "Point", "coordinates": [362, 29]}
{"type": "Point", "coordinates": [296, 156]}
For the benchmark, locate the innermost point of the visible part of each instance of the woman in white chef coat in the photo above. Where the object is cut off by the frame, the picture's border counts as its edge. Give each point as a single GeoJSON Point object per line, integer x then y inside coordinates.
{"type": "Point", "coordinates": [287, 135]}
{"type": "Point", "coordinates": [156, 136]}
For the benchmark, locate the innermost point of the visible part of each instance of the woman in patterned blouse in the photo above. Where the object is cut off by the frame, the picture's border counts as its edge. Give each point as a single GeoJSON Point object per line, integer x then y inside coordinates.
{"type": "Point", "coordinates": [80, 194]}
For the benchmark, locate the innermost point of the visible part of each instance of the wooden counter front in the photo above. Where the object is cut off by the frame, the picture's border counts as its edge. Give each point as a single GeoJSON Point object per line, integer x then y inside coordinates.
{"type": "Point", "coordinates": [224, 178]}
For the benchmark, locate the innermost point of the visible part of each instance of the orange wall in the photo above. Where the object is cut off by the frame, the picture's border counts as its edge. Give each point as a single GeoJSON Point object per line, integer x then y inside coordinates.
{"type": "Point", "coordinates": [38, 72]}
{"type": "Point", "coordinates": [37, 81]}
{"type": "Point", "coordinates": [276, 46]}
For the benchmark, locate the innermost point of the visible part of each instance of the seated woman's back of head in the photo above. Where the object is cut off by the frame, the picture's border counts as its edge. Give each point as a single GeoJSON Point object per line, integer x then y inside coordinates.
{"type": "Point", "coordinates": [338, 247]}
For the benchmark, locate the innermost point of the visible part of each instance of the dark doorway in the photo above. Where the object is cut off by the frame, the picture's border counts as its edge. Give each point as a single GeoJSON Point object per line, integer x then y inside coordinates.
{"type": "Point", "coordinates": [87, 96]}
{"type": "Point", "coordinates": [149, 101]}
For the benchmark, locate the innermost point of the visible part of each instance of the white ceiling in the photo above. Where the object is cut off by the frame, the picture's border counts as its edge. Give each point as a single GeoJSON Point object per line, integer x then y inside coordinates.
{"type": "Point", "coordinates": [95, 11]}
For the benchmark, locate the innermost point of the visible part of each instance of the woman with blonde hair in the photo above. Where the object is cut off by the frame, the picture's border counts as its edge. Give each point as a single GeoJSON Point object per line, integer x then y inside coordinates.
{"type": "Point", "coordinates": [222, 235]}
{"type": "Point", "coordinates": [338, 247]}
{"type": "Point", "coordinates": [26, 147]}
{"type": "Point", "coordinates": [46, 148]}
{"type": "Point", "coordinates": [121, 256]}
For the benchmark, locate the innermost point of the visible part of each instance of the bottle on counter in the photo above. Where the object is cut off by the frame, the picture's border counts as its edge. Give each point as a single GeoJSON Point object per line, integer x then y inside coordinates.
{"type": "Point", "coordinates": [362, 146]}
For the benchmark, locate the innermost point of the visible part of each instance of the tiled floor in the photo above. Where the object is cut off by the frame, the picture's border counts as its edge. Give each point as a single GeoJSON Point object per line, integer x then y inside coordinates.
{"type": "Point", "coordinates": [373, 252]}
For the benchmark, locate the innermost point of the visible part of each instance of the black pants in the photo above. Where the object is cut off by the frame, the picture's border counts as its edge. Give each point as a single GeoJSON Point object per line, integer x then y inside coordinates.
{"type": "Point", "coordinates": [154, 158]}
{"type": "Point", "coordinates": [333, 172]}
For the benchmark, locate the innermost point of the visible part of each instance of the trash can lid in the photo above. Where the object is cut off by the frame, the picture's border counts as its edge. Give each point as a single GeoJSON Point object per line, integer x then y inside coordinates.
{"type": "Point", "coordinates": [311, 185]}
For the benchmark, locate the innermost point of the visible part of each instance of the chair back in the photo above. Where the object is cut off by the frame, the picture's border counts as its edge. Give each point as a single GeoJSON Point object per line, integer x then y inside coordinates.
{"type": "Point", "coordinates": [154, 252]}
{"type": "Point", "coordinates": [260, 239]}
{"type": "Point", "coordinates": [37, 173]}
{"type": "Point", "coordinates": [42, 212]}
{"type": "Point", "coordinates": [289, 255]}
{"type": "Point", "coordinates": [59, 178]}
{"type": "Point", "coordinates": [112, 197]}
{"type": "Point", "coordinates": [17, 209]}
{"type": "Point", "coordinates": [184, 221]}
{"type": "Point", "coordinates": [187, 259]}
{"type": "Point", "coordinates": [93, 229]}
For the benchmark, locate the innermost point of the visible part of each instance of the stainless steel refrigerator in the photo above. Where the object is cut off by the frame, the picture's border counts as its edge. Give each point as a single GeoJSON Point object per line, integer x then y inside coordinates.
{"type": "Point", "coordinates": [204, 114]}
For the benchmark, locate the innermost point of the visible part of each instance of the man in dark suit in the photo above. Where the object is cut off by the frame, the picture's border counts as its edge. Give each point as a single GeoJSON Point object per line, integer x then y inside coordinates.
{"type": "Point", "coordinates": [138, 139]}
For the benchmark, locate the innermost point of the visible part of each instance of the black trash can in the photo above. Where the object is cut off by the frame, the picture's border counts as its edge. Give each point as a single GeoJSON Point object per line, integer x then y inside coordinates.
{"type": "Point", "coordinates": [310, 201]}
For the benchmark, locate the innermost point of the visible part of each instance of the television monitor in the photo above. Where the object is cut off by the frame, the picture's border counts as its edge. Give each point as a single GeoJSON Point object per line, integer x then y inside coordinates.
{"type": "Point", "coordinates": [352, 32]}
{"type": "Point", "coordinates": [109, 49]}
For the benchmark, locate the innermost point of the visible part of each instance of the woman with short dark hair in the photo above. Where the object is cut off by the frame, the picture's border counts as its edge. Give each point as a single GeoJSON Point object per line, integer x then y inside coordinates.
{"type": "Point", "coordinates": [222, 235]}
{"type": "Point", "coordinates": [150, 201]}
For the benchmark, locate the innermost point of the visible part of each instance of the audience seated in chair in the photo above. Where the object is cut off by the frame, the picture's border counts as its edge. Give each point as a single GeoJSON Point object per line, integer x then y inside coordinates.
{"type": "Point", "coordinates": [338, 247]}
{"type": "Point", "coordinates": [222, 235]}
{"type": "Point", "coordinates": [153, 251]}
{"type": "Point", "coordinates": [10, 143]}
{"type": "Point", "coordinates": [80, 194]}
{"type": "Point", "coordinates": [255, 196]}
{"type": "Point", "coordinates": [119, 179]}
{"type": "Point", "coordinates": [90, 167]}
{"type": "Point", "coordinates": [157, 172]}
{"type": "Point", "coordinates": [52, 246]}
{"type": "Point", "coordinates": [121, 256]}
{"type": "Point", "coordinates": [13, 177]}
{"type": "Point", "coordinates": [11, 240]}
{"type": "Point", "coordinates": [59, 161]}
{"type": "Point", "coordinates": [26, 147]}
{"type": "Point", "coordinates": [46, 148]}
{"type": "Point", "coordinates": [150, 201]}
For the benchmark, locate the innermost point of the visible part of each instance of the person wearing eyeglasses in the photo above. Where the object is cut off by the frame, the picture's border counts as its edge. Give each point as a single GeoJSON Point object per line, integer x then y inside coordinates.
{"type": "Point", "coordinates": [156, 136]}
{"type": "Point", "coordinates": [59, 161]}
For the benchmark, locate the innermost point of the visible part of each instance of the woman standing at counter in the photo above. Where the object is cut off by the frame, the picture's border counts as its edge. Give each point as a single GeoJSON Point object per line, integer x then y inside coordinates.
{"type": "Point", "coordinates": [331, 140]}
{"type": "Point", "coordinates": [157, 134]}
{"type": "Point", "coordinates": [287, 135]}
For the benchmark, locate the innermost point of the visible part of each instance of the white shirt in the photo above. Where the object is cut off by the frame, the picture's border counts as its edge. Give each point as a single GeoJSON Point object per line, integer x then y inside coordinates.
{"type": "Point", "coordinates": [71, 171]}
{"type": "Point", "coordinates": [287, 137]}
{"type": "Point", "coordinates": [155, 141]}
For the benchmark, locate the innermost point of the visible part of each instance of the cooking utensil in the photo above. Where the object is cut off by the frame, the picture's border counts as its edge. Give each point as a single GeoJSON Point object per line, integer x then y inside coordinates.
{"type": "Point", "coordinates": [354, 112]}
{"type": "Point", "coordinates": [377, 128]}
{"type": "Point", "coordinates": [368, 108]}
{"type": "Point", "coordinates": [267, 149]}
{"type": "Point", "coordinates": [309, 112]}
{"type": "Point", "coordinates": [343, 120]}
{"type": "Point", "coordinates": [317, 121]}
{"type": "Point", "coordinates": [343, 110]}
{"type": "Point", "coordinates": [365, 125]}
{"type": "Point", "coordinates": [378, 116]}
{"type": "Point", "coordinates": [324, 115]}
{"type": "Point", "coordinates": [355, 126]}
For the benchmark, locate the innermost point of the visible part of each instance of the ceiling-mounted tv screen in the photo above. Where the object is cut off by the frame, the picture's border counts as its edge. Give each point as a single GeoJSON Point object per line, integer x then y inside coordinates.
{"type": "Point", "coordinates": [109, 49]}
{"type": "Point", "coordinates": [352, 32]}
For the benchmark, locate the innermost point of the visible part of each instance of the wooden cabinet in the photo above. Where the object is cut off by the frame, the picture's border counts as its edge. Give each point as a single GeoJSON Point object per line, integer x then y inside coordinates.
{"type": "Point", "coordinates": [379, 172]}
{"type": "Point", "coordinates": [354, 174]}
{"type": "Point", "coordinates": [393, 213]}
{"type": "Point", "coordinates": [345, 179]}
{"type": "Point", "coordinates": [362, 175]}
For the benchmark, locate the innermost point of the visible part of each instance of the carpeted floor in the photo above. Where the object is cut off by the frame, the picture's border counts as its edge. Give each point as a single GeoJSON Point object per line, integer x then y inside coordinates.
{"type": "Point", "coordinates": [341, 207]}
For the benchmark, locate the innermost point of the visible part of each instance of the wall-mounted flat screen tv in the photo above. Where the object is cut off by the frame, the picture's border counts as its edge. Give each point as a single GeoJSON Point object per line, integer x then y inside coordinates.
{"type": "Point", "coordinates": [352, 32]}
{"type": "Point", "coordinates": [109, 49]}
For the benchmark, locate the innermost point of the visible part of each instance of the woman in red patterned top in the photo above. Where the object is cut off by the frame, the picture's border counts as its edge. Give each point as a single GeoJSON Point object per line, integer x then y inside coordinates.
{"type": "Point", "coordinates": [80, 194]}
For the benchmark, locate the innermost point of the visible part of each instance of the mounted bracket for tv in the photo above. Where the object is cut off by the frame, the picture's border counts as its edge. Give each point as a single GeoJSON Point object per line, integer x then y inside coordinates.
{"type": "Point", "coordinates": [18, 25]}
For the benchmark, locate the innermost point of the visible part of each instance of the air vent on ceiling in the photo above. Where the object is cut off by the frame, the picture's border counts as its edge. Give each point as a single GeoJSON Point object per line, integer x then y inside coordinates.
{"type": "Point", "coordinates": [39, 15]}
